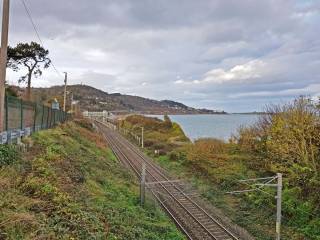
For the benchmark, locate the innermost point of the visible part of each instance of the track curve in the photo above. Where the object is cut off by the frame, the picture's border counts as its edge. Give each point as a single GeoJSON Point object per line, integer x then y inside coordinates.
{"type": "Point", "coordinates": [189, 216]}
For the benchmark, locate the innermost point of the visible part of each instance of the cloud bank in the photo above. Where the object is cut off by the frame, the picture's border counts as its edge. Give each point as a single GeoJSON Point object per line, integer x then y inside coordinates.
{"type": "Point", "coordinates": [220, 54]}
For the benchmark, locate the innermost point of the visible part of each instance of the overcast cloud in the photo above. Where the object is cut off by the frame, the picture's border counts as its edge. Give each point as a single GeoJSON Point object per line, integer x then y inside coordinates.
{"type": "Point", "coordinates": [219, 54]}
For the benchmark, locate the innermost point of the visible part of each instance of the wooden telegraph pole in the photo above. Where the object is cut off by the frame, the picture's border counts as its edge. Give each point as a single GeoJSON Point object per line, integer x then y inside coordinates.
{"type": "Point", "coordinates": [3, 58]}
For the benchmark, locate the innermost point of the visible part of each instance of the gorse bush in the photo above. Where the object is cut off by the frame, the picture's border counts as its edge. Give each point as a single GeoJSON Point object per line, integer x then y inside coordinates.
{"type": "Point", "coordinates": [287, 140]}
{"type": "Point", "coordinates": [205, 149]}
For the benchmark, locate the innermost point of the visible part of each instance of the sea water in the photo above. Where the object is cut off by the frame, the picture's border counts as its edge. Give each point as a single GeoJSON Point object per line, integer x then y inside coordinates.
{"type": "Point", "coordinates": [221, 126]}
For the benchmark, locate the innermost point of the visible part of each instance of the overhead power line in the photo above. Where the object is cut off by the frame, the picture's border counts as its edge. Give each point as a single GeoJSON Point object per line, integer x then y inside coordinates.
{"type": "Point", "coordinates": [37, 32]}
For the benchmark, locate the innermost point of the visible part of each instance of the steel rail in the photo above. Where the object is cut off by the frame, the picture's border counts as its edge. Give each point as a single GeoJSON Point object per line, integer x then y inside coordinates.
{"type": "Point", "coordinates": [175, 199]}
{"type": "Point", "coordinates": [186, 197]}
{"type": "Point", "coordinates": [150, 163]}
{"type": "Point", "coordinates": [156, 169]}
{"type": "Point", "coordinates": [152, 191]}
{"type": "Point", "coordinates": [157, 197]}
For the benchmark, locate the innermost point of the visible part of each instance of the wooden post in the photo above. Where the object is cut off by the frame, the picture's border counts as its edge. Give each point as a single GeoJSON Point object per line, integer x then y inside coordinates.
{"type": "Point", "coordinates": [143, 185]}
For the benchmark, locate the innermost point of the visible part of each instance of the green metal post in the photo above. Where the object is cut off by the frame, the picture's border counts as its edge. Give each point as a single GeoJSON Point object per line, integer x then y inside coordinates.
{"type": "Point", "coordinates": [50, 111]}
{"type": "Point", "coordinates": [21, 114]}
{"type": "Point", "coordinates": [48, 117]}
{"type": "Point", "coordinates": [50, 125]}
{"type": "Point", "coordinates": [7, 112]}
{"type": "Point", "coordinates": [42, 117]}
{"type": "Point", "coordinates": [54, 117]}
{"type": "Point", "coordinates": [35, 117]}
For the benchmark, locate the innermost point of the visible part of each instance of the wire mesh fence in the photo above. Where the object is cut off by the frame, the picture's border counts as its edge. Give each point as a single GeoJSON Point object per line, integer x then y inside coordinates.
{"type": "Point", "coordinates": [23, 117]}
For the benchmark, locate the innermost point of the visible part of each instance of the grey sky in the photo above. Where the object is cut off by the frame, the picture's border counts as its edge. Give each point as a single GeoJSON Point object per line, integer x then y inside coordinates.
{"type": "Point", "coordinates": [220, 54]}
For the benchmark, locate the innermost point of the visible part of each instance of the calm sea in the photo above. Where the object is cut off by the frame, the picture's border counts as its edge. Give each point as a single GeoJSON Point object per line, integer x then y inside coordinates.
{"type": "Point", "coordinates": [214, 126]}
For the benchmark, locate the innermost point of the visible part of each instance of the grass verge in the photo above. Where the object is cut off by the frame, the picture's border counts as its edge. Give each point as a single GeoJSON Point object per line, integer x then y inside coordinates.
{"type": "Point", "coordinates": [70, 186]}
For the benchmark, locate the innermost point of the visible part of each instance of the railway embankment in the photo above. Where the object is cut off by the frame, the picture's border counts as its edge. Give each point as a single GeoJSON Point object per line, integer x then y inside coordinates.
{"type": "Point", "coordinates": [69, 185]}
{"type": "Point", "coordinates": [285, 141]}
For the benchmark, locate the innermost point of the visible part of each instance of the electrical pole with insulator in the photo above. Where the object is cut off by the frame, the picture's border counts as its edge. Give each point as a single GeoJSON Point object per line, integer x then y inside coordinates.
{"type": "Point", "coordinates": [268, 182]}
{"type": "Point", "coordinates": [3, 58]}
{"type": "Point", "coordinates": [279, 200]}
{"type": "Point", "coordinates": [142, 137]}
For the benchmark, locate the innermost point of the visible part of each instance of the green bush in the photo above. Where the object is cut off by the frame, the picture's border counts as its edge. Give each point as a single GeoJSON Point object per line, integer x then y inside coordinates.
{"type": "Point", "coordinates": [8, 155]}
{"type": "Point", "coordinates": [84, 124]}
{"type": "Point", "coordinates": [173, 156]}
{"type": "Point", "coordinates": [287, 140]}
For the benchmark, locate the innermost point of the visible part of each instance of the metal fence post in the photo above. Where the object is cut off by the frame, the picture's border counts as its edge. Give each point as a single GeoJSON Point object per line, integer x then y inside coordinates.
{"type": "Point", "coordinates": [7, 111]}
{"type": "Point", "coordinates": [51, 114]}
{"type": "Point", "coordinates": [35, 117]}
{"type": "Point", "coordinates": [42, 116]}
{"type": "Point", "coordinates": [21, 114]}
{"type": "Point", "coordinates": [47, 118]}
{"type": "Point", "coordinates": [54, 117]}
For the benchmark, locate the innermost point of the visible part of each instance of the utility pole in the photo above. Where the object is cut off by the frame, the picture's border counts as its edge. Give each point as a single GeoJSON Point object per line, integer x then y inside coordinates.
{"type": "Point", "coordinates": [143, 185]}
{"type": "Point", "coordinates": [3, 58]}
{"type": "Point", "coordinates": [65, 91]}
{"type": "Point", "coordinates": [268, 183]}
{"type": "Point", "coordinates": [279, 199]}
{"type": "Point", "coordinates": [142, 137]}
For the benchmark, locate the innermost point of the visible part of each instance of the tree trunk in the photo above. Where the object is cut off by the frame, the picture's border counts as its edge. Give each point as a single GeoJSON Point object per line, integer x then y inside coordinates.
{"type": "Point", "coordinates": [28, 95]}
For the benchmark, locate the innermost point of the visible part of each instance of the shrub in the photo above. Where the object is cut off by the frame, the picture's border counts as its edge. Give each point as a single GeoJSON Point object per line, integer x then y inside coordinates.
{"type": "Point", "coordinates": [173, 156]}
{"type": "Point", "coordinates": [287, 140]}
{"type": "Point", "coordinates": [206, 147]}
{"type": "Point", "coordinates": [148, 143]}
{"type": "Point", "coordinates": [84, 124]}
{"type": "Point", "coordinates": [167, 122]}
{"type": "Point", "coordinates": [8, 155]}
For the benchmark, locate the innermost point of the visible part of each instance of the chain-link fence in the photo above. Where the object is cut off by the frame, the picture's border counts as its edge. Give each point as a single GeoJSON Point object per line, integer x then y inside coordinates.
{"type": "Point", "coordinates": [23, 117]}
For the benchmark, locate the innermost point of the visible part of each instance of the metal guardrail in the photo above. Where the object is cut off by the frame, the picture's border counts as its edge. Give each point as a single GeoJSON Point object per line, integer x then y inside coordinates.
{"type": "Point", "coordinates": [22, 118]}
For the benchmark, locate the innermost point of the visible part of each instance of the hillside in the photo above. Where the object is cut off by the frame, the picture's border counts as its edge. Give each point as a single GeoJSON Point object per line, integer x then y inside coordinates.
{"type": "Point", "coordinates": [93, 99]}
{"type": "Point", "coordinates": [69, 185]}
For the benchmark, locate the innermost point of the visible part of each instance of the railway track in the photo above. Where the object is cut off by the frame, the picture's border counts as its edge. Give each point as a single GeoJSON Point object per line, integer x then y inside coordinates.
{"type": "Point", "coordinates": [190, 217]}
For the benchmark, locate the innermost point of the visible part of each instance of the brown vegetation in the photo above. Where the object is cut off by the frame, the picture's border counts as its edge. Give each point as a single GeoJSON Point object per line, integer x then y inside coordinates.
{"type": "Point", "coordinates": [159, 135]}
